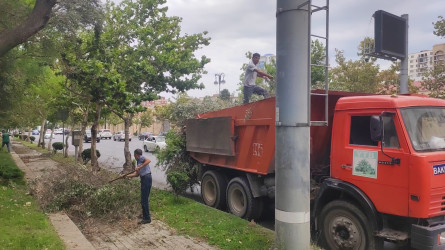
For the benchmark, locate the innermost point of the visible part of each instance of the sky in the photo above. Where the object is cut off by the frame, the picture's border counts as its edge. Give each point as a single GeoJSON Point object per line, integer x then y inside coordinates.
{"type": "Point", "coordinates": [238, 26]}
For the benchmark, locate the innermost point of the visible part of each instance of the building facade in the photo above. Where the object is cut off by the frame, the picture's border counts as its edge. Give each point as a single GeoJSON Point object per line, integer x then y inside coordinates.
{"type": "Point", "coordinates": [421, 62]}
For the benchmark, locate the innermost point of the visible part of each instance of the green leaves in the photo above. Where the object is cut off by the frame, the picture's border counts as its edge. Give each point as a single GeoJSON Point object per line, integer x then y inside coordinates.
{"type": "Point", "coordinates": [439, 27]}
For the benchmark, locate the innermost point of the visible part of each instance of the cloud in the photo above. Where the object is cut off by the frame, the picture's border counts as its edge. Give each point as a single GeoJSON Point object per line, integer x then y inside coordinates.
{"type": "Point", "coordinates": [237, 27]}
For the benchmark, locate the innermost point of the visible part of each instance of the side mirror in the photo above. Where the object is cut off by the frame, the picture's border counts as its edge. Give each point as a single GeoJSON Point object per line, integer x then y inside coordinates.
{"type": "Point", "coordinates": [376, 126]}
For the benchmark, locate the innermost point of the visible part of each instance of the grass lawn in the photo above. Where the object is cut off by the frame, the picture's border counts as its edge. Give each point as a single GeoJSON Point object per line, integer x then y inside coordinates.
{"type": "Point", "coordinates": [23, 225]}
{"type": "Point", "coordinates": [216, 227]}
{"type": "Point", "coordinates": [186, 216]}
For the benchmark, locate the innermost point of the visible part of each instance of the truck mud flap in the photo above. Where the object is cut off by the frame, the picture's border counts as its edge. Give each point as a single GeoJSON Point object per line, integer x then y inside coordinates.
{"type": "Point", "coordinates": [427, 238]}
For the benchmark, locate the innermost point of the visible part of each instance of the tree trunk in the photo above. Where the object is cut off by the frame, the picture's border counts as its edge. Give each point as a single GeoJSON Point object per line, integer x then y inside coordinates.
{"type": "Point", "coordinates": [94, 162]}
{"type": "Point", "coordinates": [36, 20]}
{"type": "Point", "coordinates": [22, 136]}
{"type": "Point", "coordinates": [127, 167]}
{"type": "Point", "coordinates": [42, 134]}
{"type": "Point", "coordinates": [65, 149]}
{"type": "Point", "coordinates": [28, 139]}
{"type": "Point", "coordinates": [50, 139]}
{"type": "Point", "coordinates": [82, 132]}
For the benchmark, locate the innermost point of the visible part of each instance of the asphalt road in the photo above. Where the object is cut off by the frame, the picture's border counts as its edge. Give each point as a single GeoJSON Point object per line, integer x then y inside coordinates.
{"type": "Point", "coordinates": [112, 158]}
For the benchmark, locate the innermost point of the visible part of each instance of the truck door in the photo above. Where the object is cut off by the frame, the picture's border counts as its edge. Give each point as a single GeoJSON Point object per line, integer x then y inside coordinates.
{"type": "Point", "coordinates": [367, 167]}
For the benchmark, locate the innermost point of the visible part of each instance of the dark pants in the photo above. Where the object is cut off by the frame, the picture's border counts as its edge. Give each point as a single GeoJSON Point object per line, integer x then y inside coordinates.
{"type": "Point", "coordinates": [249, 90]}
{"type": "Point", "coordinates": [145, 193]}
{"type": "Point", "coordinates": [7, 145]}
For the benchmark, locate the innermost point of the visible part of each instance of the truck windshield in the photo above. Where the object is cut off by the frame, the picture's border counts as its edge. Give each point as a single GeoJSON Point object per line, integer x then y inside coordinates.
{"type": "Point", "coordinates": [426, 127]}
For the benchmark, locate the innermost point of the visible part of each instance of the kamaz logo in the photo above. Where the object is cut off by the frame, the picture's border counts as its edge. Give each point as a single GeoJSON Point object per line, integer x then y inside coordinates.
{"type": "Point", "coordinates": [439, 169]}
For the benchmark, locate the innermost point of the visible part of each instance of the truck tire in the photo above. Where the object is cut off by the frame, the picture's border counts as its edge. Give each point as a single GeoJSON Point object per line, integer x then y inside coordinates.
{"type": "Point", "coordinates": [213, 189]}
{"type": "Point", "coordinates": [240, 200]}
{"type": "Point", "coordinates": [344, 226]}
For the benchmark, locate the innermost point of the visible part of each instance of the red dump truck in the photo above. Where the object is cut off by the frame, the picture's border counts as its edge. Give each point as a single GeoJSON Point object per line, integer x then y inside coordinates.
{"type": "Point", "coordinates": [377, 169]}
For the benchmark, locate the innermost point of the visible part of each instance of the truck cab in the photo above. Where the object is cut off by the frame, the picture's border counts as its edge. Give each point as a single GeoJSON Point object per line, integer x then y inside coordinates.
{"type": "Point", "coordinates": [399, 174]}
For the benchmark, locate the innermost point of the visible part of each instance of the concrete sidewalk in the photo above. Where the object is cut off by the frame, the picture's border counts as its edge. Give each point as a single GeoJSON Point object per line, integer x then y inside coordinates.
{"type": "Point", "coordinates": [155, 235]}
{"type": "Point", "coordinates": [34, 168]}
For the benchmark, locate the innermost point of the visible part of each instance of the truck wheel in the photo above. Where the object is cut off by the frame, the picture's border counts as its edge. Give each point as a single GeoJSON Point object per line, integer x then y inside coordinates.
{"type": "Point", "coordinates": [343, 226]}
{"type": "Point", "coordinates": [213, 189]}
{"type": "Point", "coordinates": [240, 200]}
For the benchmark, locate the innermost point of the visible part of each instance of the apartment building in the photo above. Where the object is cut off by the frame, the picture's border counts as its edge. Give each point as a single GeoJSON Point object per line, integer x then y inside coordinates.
{"type": "Point", "coordinates": [421, 62]}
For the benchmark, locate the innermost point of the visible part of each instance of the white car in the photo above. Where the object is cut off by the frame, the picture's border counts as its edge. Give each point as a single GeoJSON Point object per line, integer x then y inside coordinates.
{"type": "Point", "coordinates": [58, 131]}
{"type": "Point", "coordinates": [120, 136]}
{"type": "Point", "coordinates": [154, 142]}
{"type": "Point", "coordinates": [48, 135]}
{"type": "Point", "coordinates": [105, 134]}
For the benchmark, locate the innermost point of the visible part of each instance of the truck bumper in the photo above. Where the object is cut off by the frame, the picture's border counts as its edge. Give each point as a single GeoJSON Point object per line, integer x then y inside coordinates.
{"type": "Point", "coordinates": [428, 237]}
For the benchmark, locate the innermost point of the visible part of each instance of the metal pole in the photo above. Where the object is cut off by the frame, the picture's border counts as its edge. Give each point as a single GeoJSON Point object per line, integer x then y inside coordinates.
{"type": "Point", "coordinates": [292, 215]}
{"type": "Point", "coordinates": [219, 84]}
{"type": "Point", "coordinates": [404, 62]}
{"type": "Point", "coordinates": [63, 138]}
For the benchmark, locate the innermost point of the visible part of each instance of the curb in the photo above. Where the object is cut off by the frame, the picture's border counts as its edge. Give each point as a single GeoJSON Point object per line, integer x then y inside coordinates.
{"type": "Point", "coordinates": [64, 226]}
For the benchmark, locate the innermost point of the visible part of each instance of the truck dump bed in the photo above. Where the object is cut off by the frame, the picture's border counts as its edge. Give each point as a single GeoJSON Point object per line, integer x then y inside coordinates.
{"type": "Point", "coordinates": [243, 137]}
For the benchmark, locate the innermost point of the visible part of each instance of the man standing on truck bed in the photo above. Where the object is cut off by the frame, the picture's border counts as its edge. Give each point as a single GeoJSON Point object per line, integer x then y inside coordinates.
{"type": "Point", "coordinates": [250, 76]}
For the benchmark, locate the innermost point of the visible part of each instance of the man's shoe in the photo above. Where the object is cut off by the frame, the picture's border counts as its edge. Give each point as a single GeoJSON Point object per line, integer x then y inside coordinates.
{"type": "Point", "coordinates": [144, 221]}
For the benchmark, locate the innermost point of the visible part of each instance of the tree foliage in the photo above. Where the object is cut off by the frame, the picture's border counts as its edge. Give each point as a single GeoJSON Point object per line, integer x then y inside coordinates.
{"type": "Point", "coordinates": [175, 158]}
{"type": "Point", "coordinates": [225, 95]}
{"type": "Point", "coordinates": [354, 76]}
{"type": "Point", "coordinates": [439, 27]}
{"type": "Point", "coordinates": [434, 81]}
{"type": "Point", "coordinates": [20, 21]}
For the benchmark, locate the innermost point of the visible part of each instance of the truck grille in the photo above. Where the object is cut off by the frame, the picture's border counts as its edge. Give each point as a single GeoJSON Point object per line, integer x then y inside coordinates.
{"type": "Point", "coordinates": [437, 202]}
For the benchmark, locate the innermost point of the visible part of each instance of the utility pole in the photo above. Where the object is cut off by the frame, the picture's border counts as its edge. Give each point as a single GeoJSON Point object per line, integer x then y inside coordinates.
{"type": "Point", "coordinates": [292, 134]}
{"type": "Point", "coordinates": [218, 81]}
{"type": "Point", "coordinates": [404, 62]}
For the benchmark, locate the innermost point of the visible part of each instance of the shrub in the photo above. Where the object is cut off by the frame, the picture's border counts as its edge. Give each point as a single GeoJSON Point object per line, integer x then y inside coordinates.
{"type": "Point", "coordinates": [109, 199]}
{"type": "Point", "coordinates": [178, 181]}
{"type": "Point", "coordinates": [32, 138]}
{"type": "Point", "coordinates": [57, 146]}
{"type": "Point", "coordinates": [86, 155]}
{"type": "Point", "coordinates": [8, 171]}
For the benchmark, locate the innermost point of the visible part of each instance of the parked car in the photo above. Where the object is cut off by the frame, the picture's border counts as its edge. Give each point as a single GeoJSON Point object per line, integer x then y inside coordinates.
{"type": "Point", "coordinates": [105, 133]}
{"type": "Point", "coordinates": [120, 136]}
{"type": "Point", "coordinates": [48, 135]}
{"type": "Point", "coordinates": [58, 131]}
{"type": "Point", "coordinates": [153, 143]}
{"type": "Point", "coordinates": [87, 136]}
{"type": "Point", "coordinates": [145, 135]}
{"type": "Point", "coordinates": [162, 134]}
{"type": "Point", "coordinates": [35, 132]}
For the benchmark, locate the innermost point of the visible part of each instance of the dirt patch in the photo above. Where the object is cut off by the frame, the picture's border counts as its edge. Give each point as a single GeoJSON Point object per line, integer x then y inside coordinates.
{"type": "Point", "coordinates": [129, 235]}
{"type": "Point", "coordinates": [118, 230]}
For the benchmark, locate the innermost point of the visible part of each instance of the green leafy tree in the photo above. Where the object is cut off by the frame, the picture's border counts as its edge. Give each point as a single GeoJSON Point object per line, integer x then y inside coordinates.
{"type": "Point", "coordinates": [175, 158]}
{"type": "Point", "coordinates": [439, 27]}
{"type": "Point", "coordinates": [225, 95]}
{"type": "Point", "coordinates": [354, 76]}
{"type": "Point", "coordinates": [434, 80]}
{"type": "Point", "coordinates": [150, 55]}
{"type": "Point", "coordinates": [20, 21]}
{"type": "Point", "coordinates": [161, 113]}
{"type": "Point", "coordinates": [147, 119]}
{"type": "Point", "coordinates": [318, 60]}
